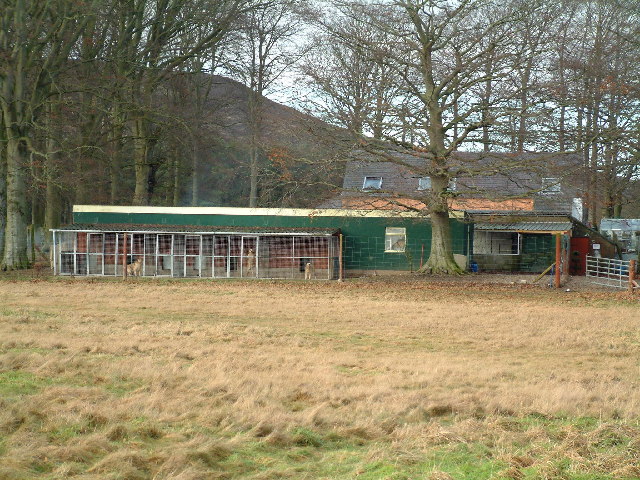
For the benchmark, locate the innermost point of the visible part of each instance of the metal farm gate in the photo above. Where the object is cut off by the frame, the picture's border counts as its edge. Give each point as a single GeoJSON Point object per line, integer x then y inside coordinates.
{"type": "Point", "coordinates": [610, 272]}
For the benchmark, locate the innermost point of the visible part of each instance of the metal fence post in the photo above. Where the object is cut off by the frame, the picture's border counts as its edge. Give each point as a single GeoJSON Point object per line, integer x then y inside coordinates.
{"type": "Point", "coordinates": [54, 252]}
{"type": "Point", "coordinates": [124, 257]}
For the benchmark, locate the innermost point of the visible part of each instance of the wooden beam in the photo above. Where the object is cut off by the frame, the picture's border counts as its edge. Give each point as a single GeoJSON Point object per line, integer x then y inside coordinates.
{"type": "Point", "coordinates": [340, 259]}
{"type": "Point", "coordinates": [544, 273]}
{"type": "Point", "coordinates": [556, 282]}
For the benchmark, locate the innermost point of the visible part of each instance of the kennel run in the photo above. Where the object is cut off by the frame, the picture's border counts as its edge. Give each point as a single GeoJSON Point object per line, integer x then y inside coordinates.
{"type": "Point", "coordinates": [166, 251]}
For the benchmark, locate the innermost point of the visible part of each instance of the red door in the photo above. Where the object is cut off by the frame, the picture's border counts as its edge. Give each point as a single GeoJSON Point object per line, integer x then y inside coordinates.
{"type": "Point", "coordinates": [578, 256]}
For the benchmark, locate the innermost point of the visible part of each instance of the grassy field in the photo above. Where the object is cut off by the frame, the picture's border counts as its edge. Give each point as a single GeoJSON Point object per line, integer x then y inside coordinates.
{"type": "Point", "coordinates": [101, 379]}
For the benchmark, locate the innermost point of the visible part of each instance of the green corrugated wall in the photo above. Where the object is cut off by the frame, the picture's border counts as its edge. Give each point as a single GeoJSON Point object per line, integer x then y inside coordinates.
{"type": "Point", "coordinates": [363, 242]}
{"type": "Point", "coordinates": [538, 252]}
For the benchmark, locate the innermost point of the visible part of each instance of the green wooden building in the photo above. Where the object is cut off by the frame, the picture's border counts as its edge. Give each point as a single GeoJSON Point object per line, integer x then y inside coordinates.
{"type": "Point", "coordinates": [220, 242]}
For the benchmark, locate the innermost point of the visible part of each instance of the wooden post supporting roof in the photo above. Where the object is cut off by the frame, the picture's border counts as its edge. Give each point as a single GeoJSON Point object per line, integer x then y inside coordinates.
{"type": "Point", "coordinates": [340, 259]}
{"type": "Point", "coordinates": [558, 259]}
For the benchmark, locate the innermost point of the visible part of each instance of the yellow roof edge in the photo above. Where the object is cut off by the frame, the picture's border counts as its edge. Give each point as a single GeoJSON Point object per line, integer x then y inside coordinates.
{"type": "Point", "coordinates": [293, 212]}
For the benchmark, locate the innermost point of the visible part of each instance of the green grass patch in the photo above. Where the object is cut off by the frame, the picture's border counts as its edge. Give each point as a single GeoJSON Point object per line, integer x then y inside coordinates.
{"type": "Point", "coordinates": [25, 348]}
{"type": "Point", "coordinates": [309, 453]}
{"type": "Point", "coordinates": [26, 314]}
{"type": "Point", "coordinates": [122, 386]}
{"type": "Point", "coordinates": [343, 460]}
{"type": "Point", "coordinates": [16, 383]}
{"type": "Point", "coordinates": [66, 432]}
{"type": "Point", "coordinates": [464, 461]}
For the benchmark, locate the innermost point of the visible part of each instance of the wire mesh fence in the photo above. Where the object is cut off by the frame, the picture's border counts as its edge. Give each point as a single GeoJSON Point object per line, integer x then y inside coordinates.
{"type": "Point", "coordinates": [162, 254]}
{"type": "Point", "coordinates": [513, 252]}
{"type": "Point", "coordinates": [195, 255]}
{"type": "Point", "coordinates": [363, 254]}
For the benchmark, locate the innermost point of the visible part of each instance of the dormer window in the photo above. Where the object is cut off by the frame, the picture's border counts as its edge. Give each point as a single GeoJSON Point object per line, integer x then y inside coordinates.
{"type": "Point", "coordinates": [372, 183]}
{"type": "Point", "coordinates": [424, 183]}
{"type": "Point", "coordinates": [550, 186]}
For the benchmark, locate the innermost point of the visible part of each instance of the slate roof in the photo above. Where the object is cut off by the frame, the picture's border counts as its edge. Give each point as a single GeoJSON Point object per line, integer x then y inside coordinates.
{"type": "Point", "coordinates": [479, 175]}
{"type": "Point", "coordinates": [232, 230]}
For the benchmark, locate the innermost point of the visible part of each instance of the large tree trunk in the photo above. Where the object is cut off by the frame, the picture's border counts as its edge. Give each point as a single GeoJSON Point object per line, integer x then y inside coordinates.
{"type": "Point", "coordinates": [176, 181]}
{"type": "Point", "coordinates": [53, 200]}
{"type": "Point", "coordinates": [561, 128]}
{"type": "Point", "coordinates": [253, 176]}
{"type": "Point", "coordinates": [15, 242]}
{"type": "Point", "coordinates": [378, 122]}
{"type": "Point", "coordinates": [141, 162]}
{"type": "Point", "coordinates": [593, 169]}
{"type": "Point", "coordinates": [488, 91]}
{"type": "Point", "coordinates": [3, 190]}
{"type": "Point", "coordinates": [563, 102]}
{"type": "Point", "coordinates": [81, 185]}
{"type": "Point", "coordinates": [52, 206]}
{"type": "Point", "coordinates": [194, 176]}
{"type": "Point", "coordinates": [255, 125]}
{"type": "Point", "coordinates": [115, 152]}
{"type": "Point", "coordinates": [441, 259]}
{"type": "Point", "coordinates": [524, 106]}
{"type": "Point", "coordinates": [115, 177]}
{"type": "Point", "coordinates": [617, 210]}
{"type": "Point", "coordinates": [52, 210]}
{"type": "Point", "coordinates": [441, 255]}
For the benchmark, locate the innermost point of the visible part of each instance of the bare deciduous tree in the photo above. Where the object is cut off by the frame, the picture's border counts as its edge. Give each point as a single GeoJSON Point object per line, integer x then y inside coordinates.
{"type": "Point", "coordinates": [262, 52]}
{"type": "Point", "coordinates": [36, 40]}
{"type": "Point", "coordinates": [349, 82]}
{"type": "Point", "coordinates": [438, 52]}
{"type": "Point", "coordinates": [149, 48]}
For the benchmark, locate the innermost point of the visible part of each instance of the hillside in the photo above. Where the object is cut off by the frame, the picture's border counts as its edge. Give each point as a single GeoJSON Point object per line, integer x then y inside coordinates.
{"type": "Point", "coordinates": [297, 152]}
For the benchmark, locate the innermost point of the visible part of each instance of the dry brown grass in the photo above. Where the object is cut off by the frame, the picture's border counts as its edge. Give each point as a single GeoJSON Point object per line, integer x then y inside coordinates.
{"type": "Point", "coordinates": [178, 379]}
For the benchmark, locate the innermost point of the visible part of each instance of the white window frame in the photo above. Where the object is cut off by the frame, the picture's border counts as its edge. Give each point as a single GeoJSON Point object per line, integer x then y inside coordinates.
{"type": "Point", "coordinates": [550, 186]}
{"type": "Point", "coordinates": [452, 186]}
{"type": "Point", "coordinates": [392, 236]}
{"type": "Point", "coordinates": [424, 183]}
{"type": "Point", "coordinates": [370, 180]}
{"type": "Point", "coordinates": [490, 233]}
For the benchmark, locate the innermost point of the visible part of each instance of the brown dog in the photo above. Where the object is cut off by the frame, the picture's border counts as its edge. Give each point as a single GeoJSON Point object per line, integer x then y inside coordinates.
{"type": "Point", "coordinates": [250, 263]}
{"type": "Point", "coordinates": [135, 269]}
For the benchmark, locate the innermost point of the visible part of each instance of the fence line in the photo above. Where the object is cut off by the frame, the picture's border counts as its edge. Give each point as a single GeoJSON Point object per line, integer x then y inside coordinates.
{"type": "Point", "coordinates": [256, 255]}
{"type": "Point", "coordinates": [610, 272]}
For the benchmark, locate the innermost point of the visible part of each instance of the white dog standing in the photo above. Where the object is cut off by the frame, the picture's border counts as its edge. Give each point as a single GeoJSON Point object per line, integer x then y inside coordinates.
{"type": "Point", "coordinates": [250, 263]}
{"type": "Point", "coordinates": [308, 271]}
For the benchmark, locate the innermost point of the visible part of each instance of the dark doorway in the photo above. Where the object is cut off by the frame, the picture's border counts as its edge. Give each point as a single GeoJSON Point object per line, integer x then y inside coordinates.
{"type": "Point", "coordinates": [578, 257]}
